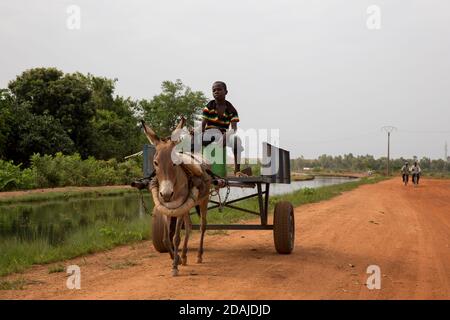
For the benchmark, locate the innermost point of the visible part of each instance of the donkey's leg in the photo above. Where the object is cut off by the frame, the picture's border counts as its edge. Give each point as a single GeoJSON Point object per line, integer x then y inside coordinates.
{"type": "Point", "coordinates": [203, 212]}
{"type": "Point", "coordinates": [187, 229]}
{"type": "Point", "coordinates": [166, 238]}
{"type": "Point", "coordinates": [176, 244]}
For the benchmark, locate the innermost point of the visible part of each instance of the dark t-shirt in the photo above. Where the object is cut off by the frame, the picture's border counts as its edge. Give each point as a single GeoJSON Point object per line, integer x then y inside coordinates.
{"type": "Point", "coordinates": [216, 121]}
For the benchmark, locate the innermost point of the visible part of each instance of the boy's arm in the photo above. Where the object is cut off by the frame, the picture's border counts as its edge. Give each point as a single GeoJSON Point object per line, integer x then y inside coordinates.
{"type": "Point", "coordinates": [203, 125]}
{"type": "Point", "coordinates": [234, 120]}
{"type": "Point", "coordinates": [230, 132]}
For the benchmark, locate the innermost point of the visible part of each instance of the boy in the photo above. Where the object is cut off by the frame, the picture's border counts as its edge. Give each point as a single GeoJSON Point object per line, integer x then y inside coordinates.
{"type": "Point", "coordinates": [415, 170]}
{"type": "Point", "coordinates": [405, 173]}
{"type": "Point", "coordinates": [219, 114]}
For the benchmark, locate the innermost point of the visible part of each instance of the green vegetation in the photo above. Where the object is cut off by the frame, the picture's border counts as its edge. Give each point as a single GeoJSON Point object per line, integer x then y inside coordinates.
{"type": "Point", "coordinates": [13, 285]}
{"type": "Point", "coordinates": [164, 111]}
{"type": "Point", "coordinates": [17, 255]}
{"type": "Point", "coordinates": [351, 163]}
{"type": "Point", "coordinates": [309, 195]}
{"type": "Point", "coordinates": [46, 111]}
{"type": "Point", "coordinates": [12, 177]}
{"type": "Point", "coordinates": [67, 194]}
{"type": "Point", "coordinates": [60, 171]}
{"type": "Point", "coordinates": [58, 230]}
{"type": "Point", "coordinates": [122, 265]}
{"type": "Point", "coordinates": [436, 175]}
{"type": "Point", "coordinates": [330, 173]}
{"type": "Point", "coordinates": [56, 269]}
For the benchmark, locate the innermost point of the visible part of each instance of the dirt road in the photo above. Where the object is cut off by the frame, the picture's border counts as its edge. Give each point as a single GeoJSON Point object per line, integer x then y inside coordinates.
{"type": "Point", "coordinates": [403, 230]}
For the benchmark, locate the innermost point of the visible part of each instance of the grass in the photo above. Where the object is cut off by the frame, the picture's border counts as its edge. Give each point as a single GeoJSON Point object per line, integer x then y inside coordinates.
{"type": "Point", "coordinates": [336, 174]}
{"type": "Point", "coordinates": [13, 285]}
{"type": "Point", "coordinates": [435, 175]}
{"type": "Point", "coordinates": [56, 269]}
{"type": "Point", "coordinates": [64, 195]}
{"type": "Point", "coordinates": [309, 195]}
{"type": "Point", "coordinates": [17, 256]}
{"type": "Point", "coordinates": [18, 284]}
{"type": "Point", "coordinates": [122, 265]}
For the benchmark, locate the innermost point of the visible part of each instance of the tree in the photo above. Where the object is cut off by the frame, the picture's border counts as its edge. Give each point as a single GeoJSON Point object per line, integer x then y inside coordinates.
{"type": "Point", "coordinates": [117, 133]}
{"type": "Point", "coordinates": [163, 112]}
{"type": "Point", "coordinates": [425, 163]}
{"type": "Point", "coordinates": [65, 97]}
{"type": "Point", "coordinates": [67, 113]}
{"type": "Point", "coordinates": [5, 116]}
{"type": "Point", "coordinates": [102, 90]}
{"type": "Point", "coordinates": [23, 133]}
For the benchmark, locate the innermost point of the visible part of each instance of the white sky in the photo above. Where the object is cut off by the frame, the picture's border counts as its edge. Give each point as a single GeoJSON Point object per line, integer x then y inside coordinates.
{"type": "Point", "coordinates": [309, 68]}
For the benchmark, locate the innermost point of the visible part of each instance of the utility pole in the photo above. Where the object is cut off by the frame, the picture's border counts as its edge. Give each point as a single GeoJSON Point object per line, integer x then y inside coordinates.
{"type": "Point", "coordinates": [388, 129]}
{"type": "Point", "coordinates": [446, 152]}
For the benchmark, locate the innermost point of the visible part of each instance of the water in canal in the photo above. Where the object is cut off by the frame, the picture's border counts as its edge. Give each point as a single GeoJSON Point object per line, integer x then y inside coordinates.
{"type": "Point", "coordinates": [55, 221]}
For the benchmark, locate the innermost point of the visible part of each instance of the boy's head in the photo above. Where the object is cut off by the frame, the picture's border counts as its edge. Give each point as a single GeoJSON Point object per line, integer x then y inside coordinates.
{"type": "Point", "coordinates": [219, 90]}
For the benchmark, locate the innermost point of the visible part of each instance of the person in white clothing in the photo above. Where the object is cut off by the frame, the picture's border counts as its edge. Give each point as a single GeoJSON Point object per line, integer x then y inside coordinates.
{"type": "Point", "coordinates": [405, 173]}
{"type": "Point", "coordinates": [415, 171]}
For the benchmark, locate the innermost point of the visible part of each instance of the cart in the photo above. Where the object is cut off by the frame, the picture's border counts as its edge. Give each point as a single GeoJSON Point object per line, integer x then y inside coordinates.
{"type": "Point", "coordinates": [275, 169]}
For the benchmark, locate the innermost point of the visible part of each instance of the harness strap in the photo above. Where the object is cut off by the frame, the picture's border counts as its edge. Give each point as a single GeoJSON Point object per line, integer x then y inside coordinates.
{"type": "Point", "coordinates": [189, 176]}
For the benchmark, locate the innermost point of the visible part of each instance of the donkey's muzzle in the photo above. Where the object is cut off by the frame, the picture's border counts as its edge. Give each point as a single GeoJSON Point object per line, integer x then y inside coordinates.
{"type": "Point", "coordinates": [166, 190]}
{"type": "Point", "coordinates": [166, 196]}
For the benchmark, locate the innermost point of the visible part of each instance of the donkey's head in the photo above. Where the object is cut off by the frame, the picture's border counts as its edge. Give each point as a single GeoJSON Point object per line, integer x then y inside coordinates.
{"type": "Point", "coordinates": [165, 160]}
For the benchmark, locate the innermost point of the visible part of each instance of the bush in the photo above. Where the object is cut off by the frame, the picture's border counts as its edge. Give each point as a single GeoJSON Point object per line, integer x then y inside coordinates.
{"type": "Point", "coordinates": [71, 170]}
{"type": "Point", "coordinates": [11, 177]}
{"type": "Point", "coordinates": [67, 170]}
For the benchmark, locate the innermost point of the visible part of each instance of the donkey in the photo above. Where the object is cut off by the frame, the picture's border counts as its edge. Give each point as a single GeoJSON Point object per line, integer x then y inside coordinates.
{"type": "Point", "coordinates": [180, 185]}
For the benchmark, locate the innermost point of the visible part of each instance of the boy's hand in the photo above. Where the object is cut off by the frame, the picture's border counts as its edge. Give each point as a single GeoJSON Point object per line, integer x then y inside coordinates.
{"type": "Point", "coordinates": [194, 131]}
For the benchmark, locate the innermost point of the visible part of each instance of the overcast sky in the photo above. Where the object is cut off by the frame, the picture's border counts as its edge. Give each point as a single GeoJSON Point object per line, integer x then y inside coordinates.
{"type": "Point", "coordinates": [312, 69]}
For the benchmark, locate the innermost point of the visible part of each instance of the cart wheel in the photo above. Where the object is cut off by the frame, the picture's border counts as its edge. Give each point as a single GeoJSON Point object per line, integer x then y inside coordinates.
{"type": "Point", "coordinates": [158, 232]}
{"type": "Point", "coordinates": [284, 227]}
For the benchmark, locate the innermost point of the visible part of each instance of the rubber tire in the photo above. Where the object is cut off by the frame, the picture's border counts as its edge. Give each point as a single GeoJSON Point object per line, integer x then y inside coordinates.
{"type": "Point", "coordinates": [284, 227]}
{"type": "Point", "coordinates": [158, 232]}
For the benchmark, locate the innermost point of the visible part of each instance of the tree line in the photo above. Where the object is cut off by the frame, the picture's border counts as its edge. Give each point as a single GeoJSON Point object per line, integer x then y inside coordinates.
{"type": "Point", "coordinates": [349, 162]}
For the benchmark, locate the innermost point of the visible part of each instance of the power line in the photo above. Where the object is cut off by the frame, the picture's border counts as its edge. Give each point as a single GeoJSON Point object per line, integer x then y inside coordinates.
{"type": "Point", "coordinates": [425, 131]}
{"type": "Point", "coordinates": [339, 139]}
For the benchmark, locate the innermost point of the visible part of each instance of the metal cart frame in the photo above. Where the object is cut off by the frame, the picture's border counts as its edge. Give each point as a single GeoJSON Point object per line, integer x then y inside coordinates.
{"type": "Point", "coordinates": [275, 169]}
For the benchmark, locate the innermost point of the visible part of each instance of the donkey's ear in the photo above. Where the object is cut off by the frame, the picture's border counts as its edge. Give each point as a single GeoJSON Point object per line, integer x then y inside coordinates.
{"type": "Point", "coordinates": [181, 123]}
{"type": "Point", "coordinates": [151, 135]}
{"type": "Point", "coordinates": [176, 134]}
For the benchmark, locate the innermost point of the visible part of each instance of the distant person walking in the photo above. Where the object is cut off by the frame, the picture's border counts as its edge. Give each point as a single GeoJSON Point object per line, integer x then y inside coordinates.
{"type": "Point", "coordinates": [415, 171]}
{"type": "Point", "coordinates": [405, 173]}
